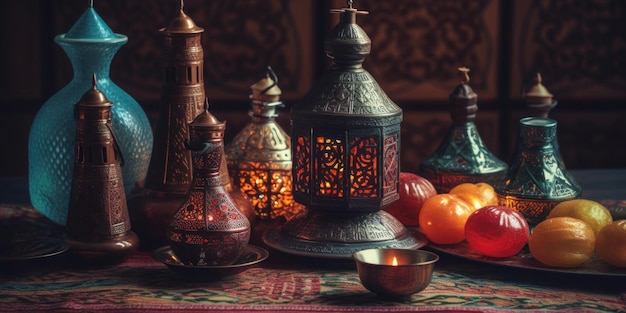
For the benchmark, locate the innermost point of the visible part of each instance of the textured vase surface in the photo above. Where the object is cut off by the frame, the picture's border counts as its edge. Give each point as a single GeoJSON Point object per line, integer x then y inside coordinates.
{"type": "Point", "coordinates": [90, 45]}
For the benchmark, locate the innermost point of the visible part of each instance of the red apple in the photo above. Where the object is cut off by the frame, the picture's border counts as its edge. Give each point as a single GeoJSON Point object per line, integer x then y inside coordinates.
{"type": "Point", "coordinates": [414, 190]}
{"type": "Point", "coordinates": [496, 231]}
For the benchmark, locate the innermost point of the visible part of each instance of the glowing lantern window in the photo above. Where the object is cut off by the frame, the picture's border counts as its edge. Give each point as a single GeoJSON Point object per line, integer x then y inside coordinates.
{"type": "Point", "coordinates": [259, 157]}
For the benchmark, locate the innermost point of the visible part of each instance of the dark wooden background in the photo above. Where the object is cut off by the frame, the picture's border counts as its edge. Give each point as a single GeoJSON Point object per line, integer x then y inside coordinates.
{"type": "Point", "coordinates": [578, 46]}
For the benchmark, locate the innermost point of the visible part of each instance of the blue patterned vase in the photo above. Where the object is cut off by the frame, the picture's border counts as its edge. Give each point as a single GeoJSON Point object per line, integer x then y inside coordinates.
{"type": "Point", "coordinates": [90, 45]}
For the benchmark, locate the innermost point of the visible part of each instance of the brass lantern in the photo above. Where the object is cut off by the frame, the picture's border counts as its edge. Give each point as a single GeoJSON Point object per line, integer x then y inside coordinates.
{"type": "Point", "coordinates": [259, 157]}
{"type": "Point", "coordinates": [170, 171]}
{"type": "Point", "coordinates": [346, 147]}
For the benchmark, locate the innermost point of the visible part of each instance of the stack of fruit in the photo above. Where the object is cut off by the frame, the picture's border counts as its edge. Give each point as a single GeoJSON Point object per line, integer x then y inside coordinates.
{"type": "Point", "coordinates": [570, 235]}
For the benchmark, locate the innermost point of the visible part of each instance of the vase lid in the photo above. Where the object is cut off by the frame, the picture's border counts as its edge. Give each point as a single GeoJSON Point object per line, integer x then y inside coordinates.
{"type": "Point", "coordinates": [91, 26]}
{"type": "Point", "coordinates": [538, 93]}
{"type": "Point", "coordinates": [182, 23]}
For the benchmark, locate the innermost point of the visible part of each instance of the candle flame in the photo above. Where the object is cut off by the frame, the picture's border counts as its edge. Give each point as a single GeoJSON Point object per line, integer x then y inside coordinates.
{"type": "Point", "coordinates": [210, 218]}
{"type": "Point", "coordinates": [394, 262]}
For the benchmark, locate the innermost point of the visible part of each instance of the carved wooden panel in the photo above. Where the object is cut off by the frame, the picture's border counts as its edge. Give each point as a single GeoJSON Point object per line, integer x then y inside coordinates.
{"type": "Point", "coordinates": [417, 46]}
{"type": "Point", "coordinates": [240, 39]}
{"type": "Point", "coordinates": [578, 46]}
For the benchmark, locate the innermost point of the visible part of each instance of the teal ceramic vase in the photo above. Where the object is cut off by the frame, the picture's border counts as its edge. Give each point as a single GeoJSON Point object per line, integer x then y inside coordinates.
{"type": "Point", "coordinates": [90, 45]}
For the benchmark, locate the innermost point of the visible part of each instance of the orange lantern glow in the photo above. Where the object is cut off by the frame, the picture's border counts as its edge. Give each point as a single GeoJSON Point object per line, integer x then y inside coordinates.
{"type": "Point", "coordinates": [259, 157]}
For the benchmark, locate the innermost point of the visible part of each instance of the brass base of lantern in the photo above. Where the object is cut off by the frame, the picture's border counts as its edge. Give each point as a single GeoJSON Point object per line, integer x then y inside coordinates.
{"type": "Point", "coordinates": [444, 180]}
{"type": "Point", "coordinates": [111, 251]}
{"type": "Point", "coordinates": [534, 210]}
{"type": "Point", "coordinates": [338, 236]}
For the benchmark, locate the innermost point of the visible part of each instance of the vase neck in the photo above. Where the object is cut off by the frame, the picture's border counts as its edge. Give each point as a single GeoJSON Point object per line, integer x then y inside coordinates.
{"type": "Point", "coordinates": [90, 58]}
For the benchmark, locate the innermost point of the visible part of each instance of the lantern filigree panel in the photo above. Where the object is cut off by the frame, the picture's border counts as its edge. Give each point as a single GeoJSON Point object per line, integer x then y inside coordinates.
{"type": "Point", "coordinates": [268, 189]}
{"type": "Point", "coordinates": [355, 167]}
{"type": "Point", "coordinates": [329, 166]}
{"type": "Point", "coordinates": [391, 165]}
{"type": "Point", "coordinates": [302, 164]}
{"type": "Point", "coordinates": [364, 156]}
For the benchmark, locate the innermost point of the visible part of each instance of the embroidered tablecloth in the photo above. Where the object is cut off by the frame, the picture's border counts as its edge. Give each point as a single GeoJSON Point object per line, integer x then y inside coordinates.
{"type": "Point", "coordinates": [284, 283]}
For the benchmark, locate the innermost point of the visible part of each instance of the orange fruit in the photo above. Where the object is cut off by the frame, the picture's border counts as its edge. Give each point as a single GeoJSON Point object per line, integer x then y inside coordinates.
{"type": "Point", "coordinates": [593, 213]}
{"type": "Point", "coordinates": [442, 218]}
{"type": "Point", "coordinates": [562, 242]}
{"type": "Point", "coordinates": [478, 195]}
{"type": "Point", "coordinates": [611, 243]}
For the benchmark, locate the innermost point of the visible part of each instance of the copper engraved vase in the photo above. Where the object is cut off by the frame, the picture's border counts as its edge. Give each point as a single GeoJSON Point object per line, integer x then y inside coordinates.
{"type": "Point", "coordinates": [208, 229]}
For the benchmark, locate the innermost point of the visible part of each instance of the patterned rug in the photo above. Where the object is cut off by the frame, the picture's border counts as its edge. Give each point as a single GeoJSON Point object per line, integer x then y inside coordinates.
{"type": "Point", "coordinates": [285, 283]}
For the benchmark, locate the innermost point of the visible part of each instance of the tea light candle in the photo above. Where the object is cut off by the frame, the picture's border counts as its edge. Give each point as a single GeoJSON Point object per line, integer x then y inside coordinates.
{"type": "Point", "coordinates": [395, 273]}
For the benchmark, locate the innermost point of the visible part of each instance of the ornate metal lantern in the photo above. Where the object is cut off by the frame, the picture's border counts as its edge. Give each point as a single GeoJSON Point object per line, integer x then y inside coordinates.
{"type": "Point", "coordinates": [98, 226]}
{"type": "Point", "coordinates": [259, 157]}
{"type": "Point", "coordinates": [462, 157]}
{"type": "Point", "coordinates": [346, 147]}
{"type": "Point", "coordinates": [170, 170]}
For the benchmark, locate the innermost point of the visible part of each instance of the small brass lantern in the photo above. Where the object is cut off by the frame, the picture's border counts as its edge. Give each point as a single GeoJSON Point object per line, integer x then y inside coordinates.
{"type": "Point", "coordinates": [346, 147]}
{"type": "Point", "coordinates": [259, 157]}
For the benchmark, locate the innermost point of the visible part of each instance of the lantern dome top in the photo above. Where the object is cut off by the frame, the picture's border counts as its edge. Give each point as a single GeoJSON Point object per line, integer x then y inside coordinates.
{"type": "Point", "coordinates": [267, 88]}
{"type": "Point", "coordinates": [94, 97]}
{"type": "Point", "coordinates": [347, 43]}
{"type": "Point", "coordinates": [538, 93]}
{"type": "Point", "coordinates": [206, 119]}
{"type": "Point", "coordinates": [182, 23]}
{"type": "Point", "coordinates": [347, 95]}
{"type": "Point", "coordinates": [90, 26]}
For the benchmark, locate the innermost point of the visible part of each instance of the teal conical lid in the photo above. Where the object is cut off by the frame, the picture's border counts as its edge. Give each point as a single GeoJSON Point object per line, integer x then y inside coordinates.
{"type": "Point", "coordinates": [91, 26]}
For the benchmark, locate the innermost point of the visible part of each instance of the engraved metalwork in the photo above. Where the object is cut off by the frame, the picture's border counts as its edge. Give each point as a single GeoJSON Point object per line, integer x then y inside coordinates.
{"type": "Point", "coordinates": [462, 152]}
{"type": "Point", "coordinates": [208, 229]}
{"type": "Point", "coordinates": [345, 144]}
{"type": "Point", "coordinates": [169, 173]}
{"type": "Point", "coordinates": [259, 157]}
{"type": "Point", "coordinates": [98, 226]}
{"type": "Point", "coordinates": [537, 181]}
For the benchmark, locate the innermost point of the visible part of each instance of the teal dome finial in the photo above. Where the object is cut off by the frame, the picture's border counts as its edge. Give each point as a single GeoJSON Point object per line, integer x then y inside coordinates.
{"type": "Point", "coordinates": [90, 26]}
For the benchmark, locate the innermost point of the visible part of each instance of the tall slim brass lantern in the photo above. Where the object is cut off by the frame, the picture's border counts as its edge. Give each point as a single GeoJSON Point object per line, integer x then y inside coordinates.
{"type": "Point", "coordinates": [170, 171]}
{"type": "Point", "coordinates": [346, 147]}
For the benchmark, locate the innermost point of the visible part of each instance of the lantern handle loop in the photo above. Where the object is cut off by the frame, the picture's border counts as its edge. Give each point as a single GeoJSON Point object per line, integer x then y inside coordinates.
{"type": "Point", "coordinates": [202, 148]}
{"type": "Point", "coordinates": [274, 79]}
{"type": "Point", "coordinates": [116, 145]}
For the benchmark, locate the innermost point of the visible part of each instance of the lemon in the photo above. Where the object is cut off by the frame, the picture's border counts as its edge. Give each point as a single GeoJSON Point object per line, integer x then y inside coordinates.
{"type": "Point", "coordinates": [593, 213]}
{"type": "Point", "coordinates": [611, 243]}
{"type": "Point", "coordinates": [562, 242]}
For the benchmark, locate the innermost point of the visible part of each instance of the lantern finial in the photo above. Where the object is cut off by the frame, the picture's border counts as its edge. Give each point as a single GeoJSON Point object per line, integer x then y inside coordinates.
{"type": "Point", "coordinates": [465, 79]}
